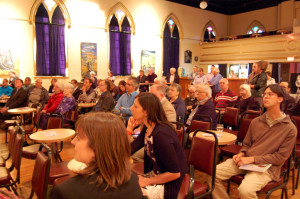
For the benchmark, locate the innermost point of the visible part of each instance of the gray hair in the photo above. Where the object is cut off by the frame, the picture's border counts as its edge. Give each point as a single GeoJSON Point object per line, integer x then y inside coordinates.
{"type": "Point", "coordinates": [70, 86]}
{"type": "Point", "coordinates": [159, 89]}
{"type": "Point", "coordinates": [247, 88]}
{"type": "Point", "coordinates": [216, 70]}
{"type": "Point", "coordinates": [60, 85]}
{"type": "Point", "coordinates": [177, 86]}
{"type": "Point", "coordinates": [224, 80]}
{"type": "Point", "coordinates": [173, 69]}
{"type": "Point", "coordinates": [206, 89]}
{"type": "Point", "coordinates": [135, 82]}
{"type": "Point", "coordinates": [92, 73]}
{"type": "Point", "coordinates": [191, 87]}
{"type": "Point", "coordinates": [159, 80]}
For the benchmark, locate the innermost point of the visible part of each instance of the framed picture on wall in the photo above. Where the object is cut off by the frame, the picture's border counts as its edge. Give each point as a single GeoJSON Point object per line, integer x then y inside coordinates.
{"type": "Point", "coordinates": [88, 59]}
{"type": "Point", "coordinates": [148, 61]}
{"type": "Point", "coordinates": [9, 61]}
{"type": "Point", "coordinates": [187, 56]}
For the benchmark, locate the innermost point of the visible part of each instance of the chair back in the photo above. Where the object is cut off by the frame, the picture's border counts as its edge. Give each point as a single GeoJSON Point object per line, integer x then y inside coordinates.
{"type": "Point", "coordinates": [13, 132]}
{"type": "Point", "coordinates": [243, 129]}
{"type": "Point", "coordinates": [72, 115]}
{"type": "Point", "coordinates": [297, 120]}
{"type": "Point", "coordinates": [180, 135]}
{"type": "Point", "coordinates": [205, 118]}
{"type": "Point", "coordinates": [37, 115]}
{"type": "Point", "coordinates": [18, 148]}
{"type": "Point", "coordinates": [231, 116]}
{"type": "Point", "coordinates": [200, 125]}
{"type": "Point", "coordinates": [251, 114]}
{"type": "Point", "coordinates": [41, 173]}
{"type": "Point", "coordinates": [55, 122]}
{"type": "Point", "coordinates": [185, 188]}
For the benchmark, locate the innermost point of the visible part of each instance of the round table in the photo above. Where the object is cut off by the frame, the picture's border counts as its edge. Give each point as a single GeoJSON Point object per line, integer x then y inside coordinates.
{"type": "Point", "coordinates": [52, 136]}
{"type": "Point", "coordinates": [86, 105]}
{"type": "Point", "coordinates": [21, 111]}
{"type": "Point", "coordinates": [76, 166]}
{"type": "Point", "coordinates": [226, 139]}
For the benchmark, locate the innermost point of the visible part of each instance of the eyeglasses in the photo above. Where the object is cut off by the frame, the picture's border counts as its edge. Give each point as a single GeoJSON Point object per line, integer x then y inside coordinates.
{"type": "Point", "coordinates": [269, 94]}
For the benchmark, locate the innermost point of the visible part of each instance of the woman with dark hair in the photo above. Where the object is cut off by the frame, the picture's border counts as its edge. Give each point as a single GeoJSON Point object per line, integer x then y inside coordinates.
{"type": "Point", "coordinates": [121, 89]}
{"type": "Point", "coordinates": [111, 76]}
{"type": "Point", "coordinates": [164, 161]}
{"type": "Point", "coordinates": [102, 144]}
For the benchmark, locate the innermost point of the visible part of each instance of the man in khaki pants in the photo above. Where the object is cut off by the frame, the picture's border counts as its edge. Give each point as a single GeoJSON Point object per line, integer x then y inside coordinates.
{"type": "Point", "coordinates": [270, 140]}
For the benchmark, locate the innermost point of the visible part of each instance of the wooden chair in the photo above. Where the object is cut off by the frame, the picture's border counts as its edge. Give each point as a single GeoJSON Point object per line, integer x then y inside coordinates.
{"type": "Point", "coordinates": [39, 182]}
{"type": "Point", "coordinates": [203, 157]}
{"type": "Point", "coordinates": [251, 114]}
{"type": "Point", "coordinates": [271, 186]}
{"type": "Point", "coordinates": [296, 119]}
{"type": "Point", "coordinates": [12, 130]}
{"type": "Point", "coordinates": [6, 179]}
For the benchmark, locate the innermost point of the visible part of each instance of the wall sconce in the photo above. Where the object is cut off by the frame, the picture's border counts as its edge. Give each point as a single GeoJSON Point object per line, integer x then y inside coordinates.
{"type": "Point", "coordinates": [203, 5]}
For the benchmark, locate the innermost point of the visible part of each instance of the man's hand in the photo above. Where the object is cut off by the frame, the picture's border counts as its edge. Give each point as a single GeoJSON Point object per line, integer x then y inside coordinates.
{"type": "Point", "coordinates": [83, 89]}
{"type": "Point", "coordinates": [4, 109]}
{"type": "Point", "coordinates": [245, 160]}
{"type": "Point", "coordinates": [236, 158]}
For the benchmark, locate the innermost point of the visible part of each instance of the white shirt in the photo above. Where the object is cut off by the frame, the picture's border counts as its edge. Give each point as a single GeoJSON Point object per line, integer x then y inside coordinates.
{"type": "Point", "coordinates": [172, 77]}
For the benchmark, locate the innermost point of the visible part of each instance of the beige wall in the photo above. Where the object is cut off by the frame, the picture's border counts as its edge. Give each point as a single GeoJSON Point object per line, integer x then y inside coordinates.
{"type": "Point", "coordinates": [88, 18]}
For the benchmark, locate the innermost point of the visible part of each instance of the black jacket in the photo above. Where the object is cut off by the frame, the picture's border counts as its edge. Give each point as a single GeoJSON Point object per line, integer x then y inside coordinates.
{"type": "Point", "coordinates": [176, 78]}
{"type": "Point", "coordinates": [17, 99]}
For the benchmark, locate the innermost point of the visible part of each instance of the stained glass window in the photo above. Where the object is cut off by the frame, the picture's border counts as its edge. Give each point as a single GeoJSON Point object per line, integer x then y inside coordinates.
{"type": "Point", "coordinates": [171, 22]}
{"type": "Point", "coordinates": [50, 4]}
{"type": "Point", "coordinates": [209, 33]}
{"type": "Point", "coordinates": [255, 29]}
{"type": "Point", "coordinates": [120, 14]}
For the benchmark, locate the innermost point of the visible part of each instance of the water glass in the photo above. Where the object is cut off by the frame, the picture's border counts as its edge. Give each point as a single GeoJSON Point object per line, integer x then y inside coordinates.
{"type": "Point", "coordinates": [220, 128]}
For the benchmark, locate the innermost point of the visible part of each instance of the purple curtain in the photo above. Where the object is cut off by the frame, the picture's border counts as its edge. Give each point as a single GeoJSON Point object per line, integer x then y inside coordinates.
{"type": "Point", "coordinates": [50, 40]}
{"type": "Point", "coordinates": [114, 35]}
{"type": "Point", "coordinates": [171, 49]}
{"type": "Point", "coordinates": [42, 41]}
{"type": "Point", "coordinates": [57, 44]}
{"type": "Point", "coordinates": [125, 48]}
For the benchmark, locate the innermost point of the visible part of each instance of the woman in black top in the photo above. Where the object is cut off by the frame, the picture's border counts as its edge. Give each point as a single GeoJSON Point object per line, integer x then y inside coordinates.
{"type": "Point", "coordinates": [164, 155]}
{"type": "Point", "coordinates": [101, 143]}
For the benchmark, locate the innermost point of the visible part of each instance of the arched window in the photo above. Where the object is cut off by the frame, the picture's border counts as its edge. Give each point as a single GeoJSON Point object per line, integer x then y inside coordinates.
{"type": "Point", "coordinates": [170, 46]}
{"type": "Point", "coordinates": [209, 32]}
{"type": "Point", "coordinates": [120, 43]}
{"type": "Point", "coordinates": [255, 27]}
{"type": "Point", "coordinates": [50, 41]}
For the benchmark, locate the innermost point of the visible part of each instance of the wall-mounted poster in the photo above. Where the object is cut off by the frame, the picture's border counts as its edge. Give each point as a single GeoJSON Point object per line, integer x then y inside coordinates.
{"type": "Point", "coordinates": [88, 59]}
{"type": "Point", "coordinates": [9, 61]}
{"type": "Point", "coordinates": [148, 61]}
{"type": "Point", "coordinates": [187, 56]}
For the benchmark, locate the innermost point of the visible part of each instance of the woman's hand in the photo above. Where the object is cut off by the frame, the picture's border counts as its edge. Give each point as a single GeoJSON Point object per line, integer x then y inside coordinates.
{"type": "Point", "coordinates": [143, 182]}
{"type": "Point", "coordinates": [132, 123]}
{"type": "Point", "coordinates": [43, 111]}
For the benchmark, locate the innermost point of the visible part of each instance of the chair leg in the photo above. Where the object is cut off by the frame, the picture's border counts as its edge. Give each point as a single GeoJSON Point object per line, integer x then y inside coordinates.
{"type": "Point", "coordinates": [31, 194]}
{"type": "Point", "coordinates": [293, 181]}
{"type": "Point", "coordinates": [297, 180]}
{"type": "Point", "coordinates": [228, 187]}
{"type": "Point", "coordinates": [286, 193]}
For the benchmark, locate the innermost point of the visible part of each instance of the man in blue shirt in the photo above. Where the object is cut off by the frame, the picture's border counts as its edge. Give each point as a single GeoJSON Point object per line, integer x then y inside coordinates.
{"type": "Point", "coordinates": [215, 81]}
{"type": "Point", "coordinates": [5, 89]}
{"type": "Point", "coordinates": [127, 99]}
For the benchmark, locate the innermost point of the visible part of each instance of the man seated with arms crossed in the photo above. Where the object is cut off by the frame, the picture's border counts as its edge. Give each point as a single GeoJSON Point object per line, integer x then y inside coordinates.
{"type": "Point", "coordinates": [37, 95]}
{"type": "Point", "coordinates": [17, 99]}
{"type": "Point", "coordinates": [127, 99]}
{"type": "Point", "coordinates": [5, 89]}
{"type": "Point", "coordinates": [270, 140]}
{"type": "Point", "coordinates": [225, 96]}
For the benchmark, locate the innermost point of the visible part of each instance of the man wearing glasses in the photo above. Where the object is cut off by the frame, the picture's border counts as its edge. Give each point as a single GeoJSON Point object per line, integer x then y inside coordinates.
{"type": "Point", "coordinates": [270, 139]}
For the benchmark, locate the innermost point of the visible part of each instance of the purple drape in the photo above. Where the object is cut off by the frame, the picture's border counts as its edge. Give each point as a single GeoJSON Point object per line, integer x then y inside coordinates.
{"type": "Point", "coordinates": [50, 40]}
{"type": "Point", "coordinates": [170, 49]}
{"type": "Point", "coordinates": [120, 47]}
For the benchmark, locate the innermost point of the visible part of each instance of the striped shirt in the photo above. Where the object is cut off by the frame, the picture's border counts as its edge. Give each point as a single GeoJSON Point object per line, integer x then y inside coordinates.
{"type": "Point", "coordinates": [222, 100]}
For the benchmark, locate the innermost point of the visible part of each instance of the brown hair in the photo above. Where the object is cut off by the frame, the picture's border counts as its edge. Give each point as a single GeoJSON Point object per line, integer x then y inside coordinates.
{"type": "Point", "coordinates": [155, 112]}
{"type": "Point", "coordinates": [107, 82]}
{"type": "Point", "coordinates": [108, 138]}
{"type": "Point", "coordinates": [263, 65]}
{"type": "Point", "coordinates": [89, 79]}
{"type": "Point", "coordinates": [280, 92]}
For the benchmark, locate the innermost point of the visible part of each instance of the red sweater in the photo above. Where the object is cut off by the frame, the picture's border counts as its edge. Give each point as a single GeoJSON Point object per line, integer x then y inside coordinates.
{"type": "Point", "coordinates": [53, 102]}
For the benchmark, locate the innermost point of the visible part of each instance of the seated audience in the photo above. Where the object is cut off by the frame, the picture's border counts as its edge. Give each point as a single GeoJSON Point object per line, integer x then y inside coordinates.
{"type": "Point", "coordinates": [177, 102]}
{"type": "Point", "coordinates": [97, 90]}
{"type": "Point", "coordinates": [151, 76]}
{"type": "Point", "coordinates": [270, 140]}
{"type": "Point", "coordinates": [27, 83]}
{"type": "Point", "coordinates": [88, 94]}
{"type": "Point", "coordinates": [53, 81]}
{"type": "Point", "coordinates": [5, 89]}
{"type": "Point", "coordinates": [245, 101]}
{"type": "Point", "coordinates": [102, 144]}
{"type": "Point", "coordinates": [215, 81]}
{"type": "Point", "coordinates": [191, 100]}
{"type": "Point", "coordinates": [205, 107]}
{"type": "Point", "coordinates": [17, 99]}
{"type": "Point", "coordinates": [77, 90]}
{"type": "Point", "coordinates": [37, 94]}
{"type": "Point", "coordinates": [159, 90]}
{"type": "Point", "coordinates": [127, 99]}
{"type": "Point", "coordinates": [210, 75]}
{"type": "Point", "coordinates": [290, 102]}
{"type": "Point", "coordinates": [94, 79]}
{"type": "Point", "coordinates": [61, 102]}
{"type": "Point", "coordinates": [270, 79]}
{"type": "Point", "coordinates": [200, 78]}
{"type": "Point", "coordinates": [111, 76]}
{"type": "Point", "coordinates": [121, 89]}
{"type": "Point", "coordinates": [114, 90]}
{"type": "Point", "coordinates": [172, 77]}
{"type": "Point", "coordinates": [164, 156]}
{"type": "Point", "coordinates": [193, 74]}
{"type": "Point", "coordinates": [142, 79]}
{"type": "Point", "coordinates": [106, 102]}
{"type": "Point", "coordinates": [259, 81]}
{"type": "Point", "coordinates": [225, 96]}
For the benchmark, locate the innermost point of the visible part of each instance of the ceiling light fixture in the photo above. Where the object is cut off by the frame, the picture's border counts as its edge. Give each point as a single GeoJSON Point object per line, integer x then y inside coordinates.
{"type": "Point", "coordinates": [203, 5]}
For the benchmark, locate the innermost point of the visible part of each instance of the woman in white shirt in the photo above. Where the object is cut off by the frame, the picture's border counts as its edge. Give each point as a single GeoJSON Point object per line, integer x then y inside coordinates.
{"type": "Point", "coordinates": [270, 79]}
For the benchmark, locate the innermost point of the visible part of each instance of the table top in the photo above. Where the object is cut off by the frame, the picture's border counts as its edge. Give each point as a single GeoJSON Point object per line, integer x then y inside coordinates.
{"type": "Point", "coordinates": [22, 110]}
{"type": "Point", "coordinates": [52, 135]}
{"type": "Point", "coordinates": [86, 105]}
{"type": "Point", "coordinates": [75, 165]}
{"type": "Point", "coordinates": [227, 138]}
{"type": "Point", "coordinates": [3, 101]}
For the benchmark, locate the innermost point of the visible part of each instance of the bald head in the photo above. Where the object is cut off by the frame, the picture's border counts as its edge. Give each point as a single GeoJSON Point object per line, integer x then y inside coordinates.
{"type": "Point", "coordinates": [159, 90]}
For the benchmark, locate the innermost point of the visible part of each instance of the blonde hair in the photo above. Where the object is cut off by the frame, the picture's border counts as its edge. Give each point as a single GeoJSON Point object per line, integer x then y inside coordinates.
{"type": "Point", "coordinates": [108, 138]}
{"type": "Point", "coordinates": [247, 88]}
